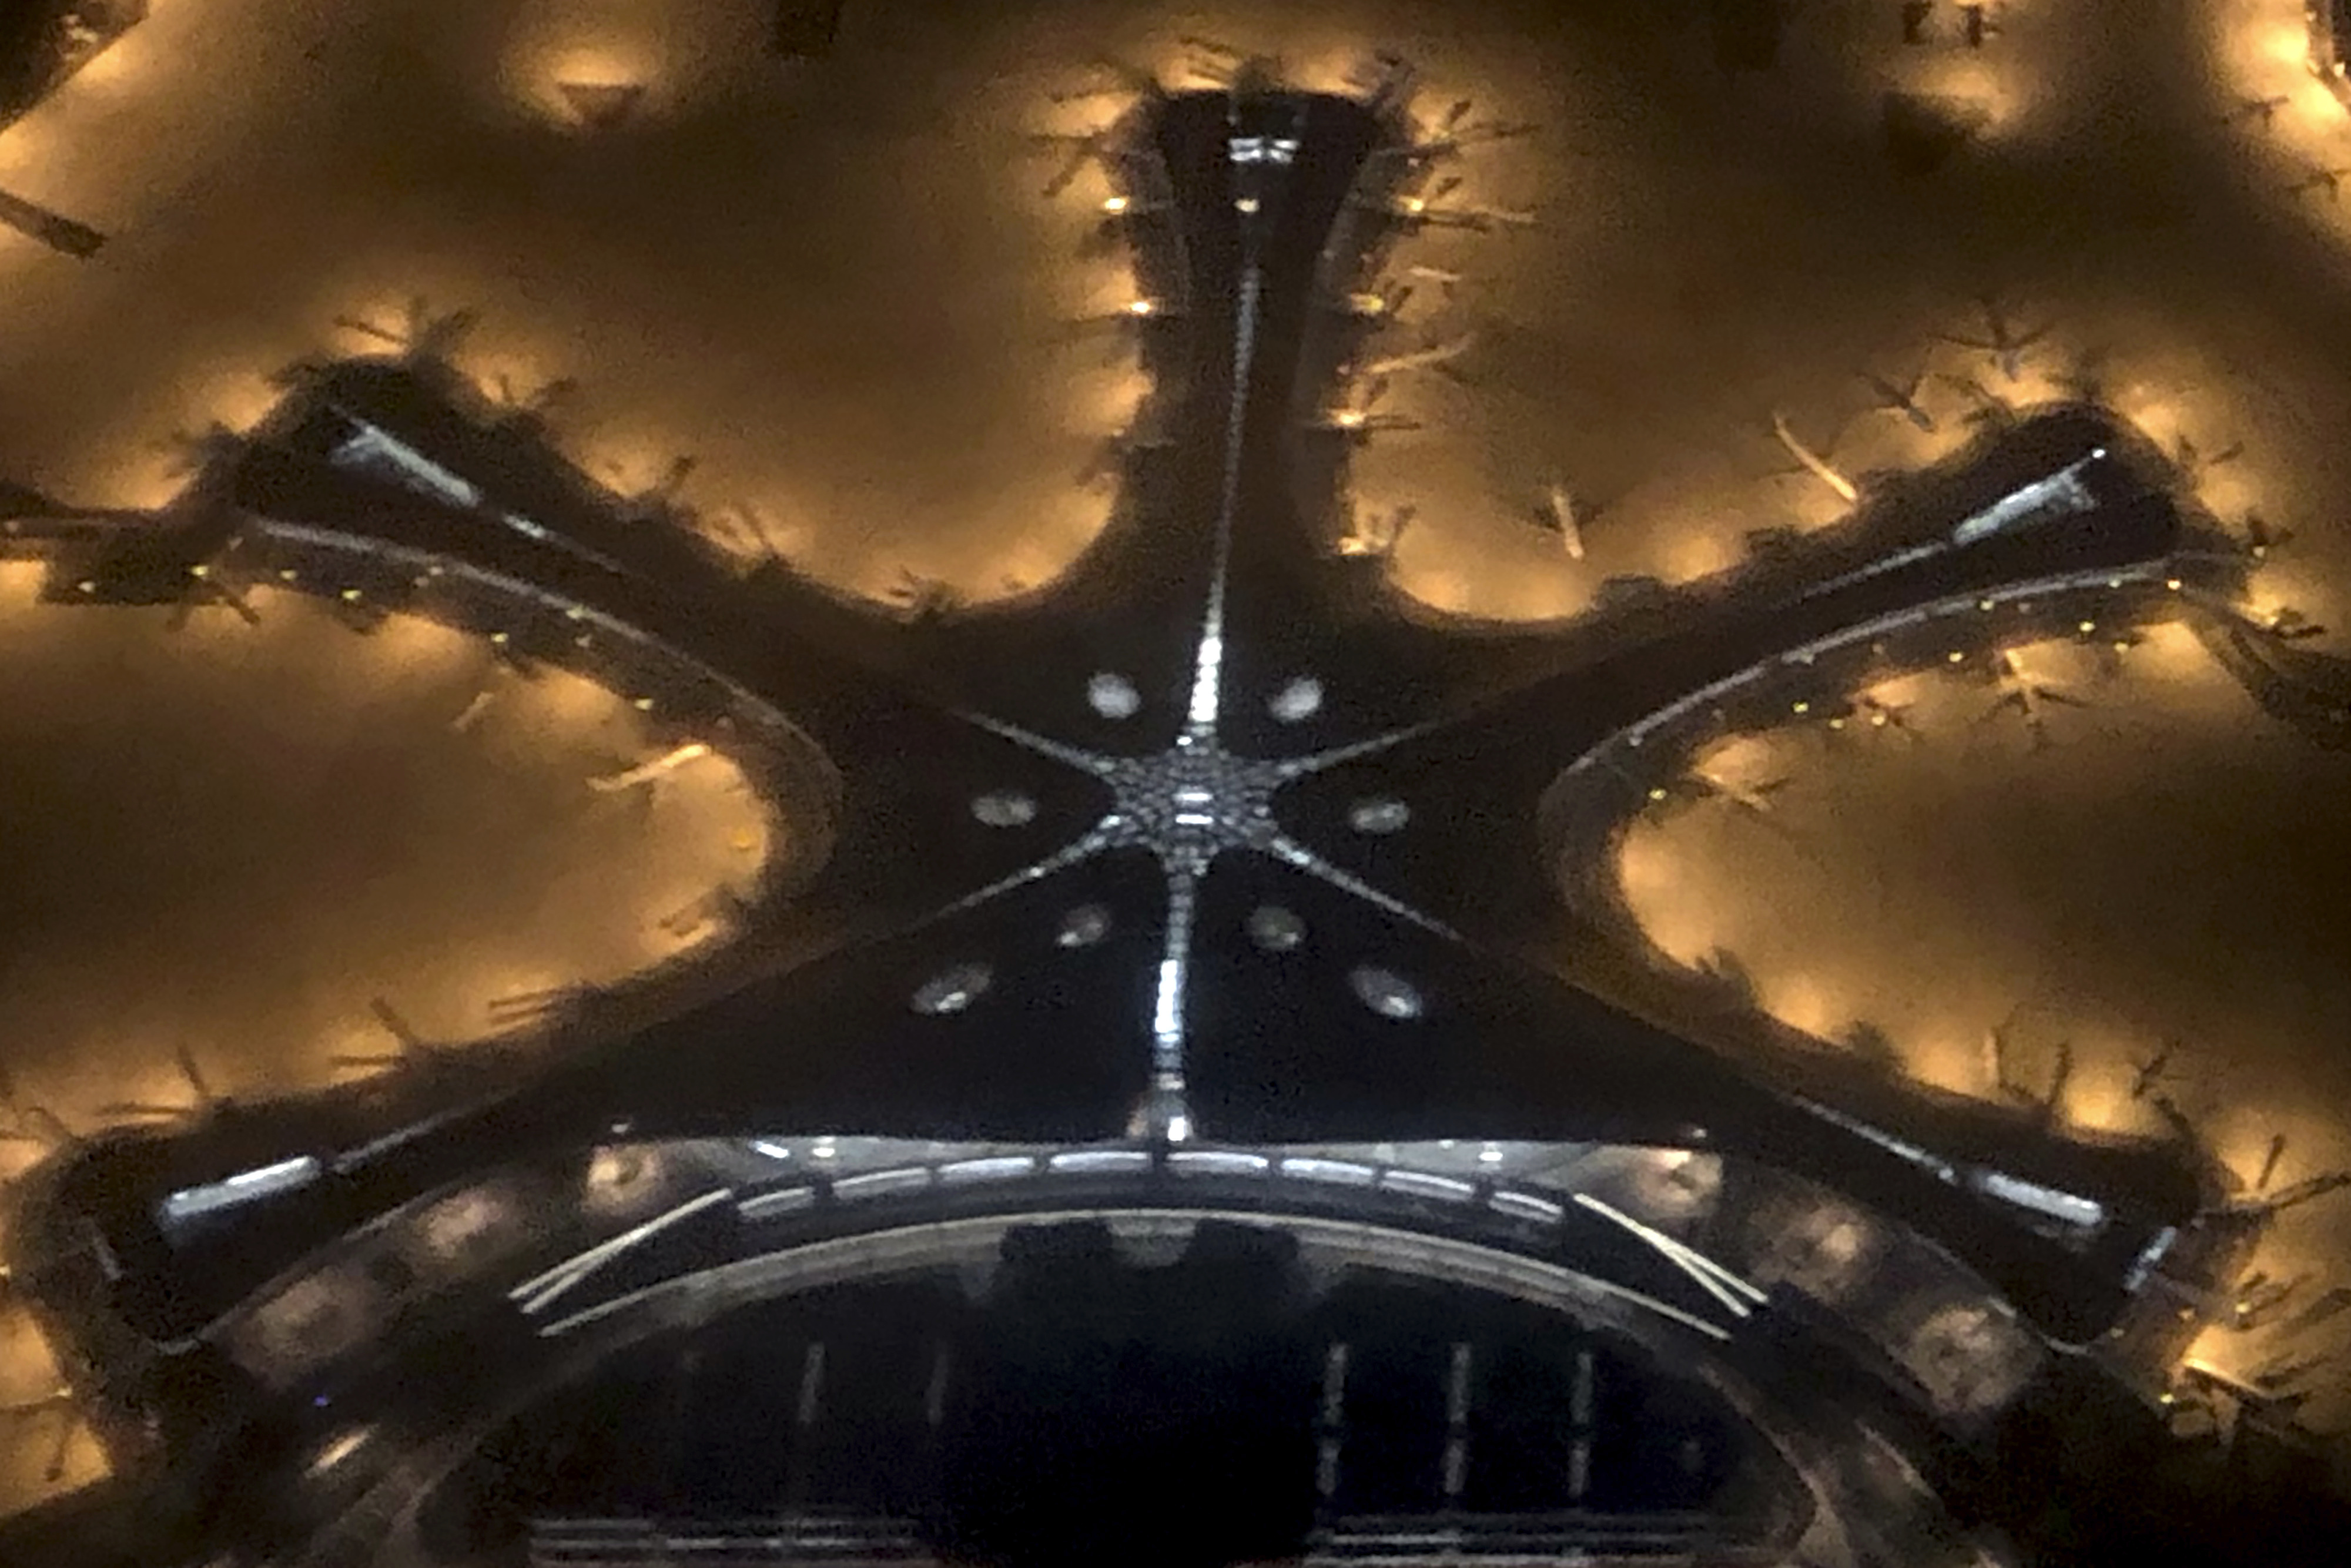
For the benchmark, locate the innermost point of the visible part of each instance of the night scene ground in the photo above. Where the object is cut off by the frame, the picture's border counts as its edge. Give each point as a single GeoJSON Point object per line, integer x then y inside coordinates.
{"type": "Point", "coordinates": [1043, 782]}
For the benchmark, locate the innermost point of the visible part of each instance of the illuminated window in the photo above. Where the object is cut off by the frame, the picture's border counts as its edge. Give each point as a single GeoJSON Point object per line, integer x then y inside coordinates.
{"type": "Point", "coordinates": [1275, 929]}
{"type": "Point", "coordinates": [951, 990]}
{"type": "Point", "coordinates": [1386, 992]}
{"type": "Point", "coordinates": [1113, 696]}
{"type": "Point", "coordinates": [1004, 807]}
{"type": "Point", "coordinates": [1300, 698]}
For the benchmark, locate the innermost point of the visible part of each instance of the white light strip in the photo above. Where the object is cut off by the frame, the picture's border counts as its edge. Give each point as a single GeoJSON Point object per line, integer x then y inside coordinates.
{"type": "Point", "coordinates": [375, 450]}
{"type": "Point", "coordinates": [2061, 495]}
{"type": "Point", "coordinates": [2150, 1255]}
{"type": "Point", "coordinates": [1525, 1206]}
{"type": "Point", "coordinates": [1089, 1160]}
{"type": "Point", "coordinates": [533, 1294]}
{"type": "Point", "coordinates": [1526, 1278]}
{"type": "Point", "coordinates": [784, 1201]}
{"type": "Point", "coordinates": [1219, 1162]}
{"type": "Point", "coordinates": [905, 1178]}
{"type": "Point", "coordinates": [1171, 1116]}
{"type": "Point", "coordinates": [767, 712]}
{"type": "Point", "coordinates": [1291, 852]}
{"type": "Point", "coordinates": [1207, 662]}
{"type": "Point", "coordinates": [1425, 1185]}
{"type": "Point", "coordinates": [1208, 657]}
{"type": "Point", "coordinates": [987, 1167]}
{"type": "Point", "coordinates": [2081, 1212]}
{"type": "Point", "coordinates": [264, 1181]}
{"type": "Point", "coordinates": [1175, 961]}
{"type": "Point", "coordinates": [1076, 851]}
{"type": "Point", "coordinates": [1042, 745]}
{"type": "Point", "coordinates": [1167, 1006]}
{"type": "Point", "coordinates": [1943, 1169]}
{"type": "Point", "coordinates": [1955, 607]}
{"type": "Point", "coordinates": [1346, 1173]}
{"type": "Point", "coordinates": [1300, 766]}
{"type": "Point", "coordinates": [1711, 1277]}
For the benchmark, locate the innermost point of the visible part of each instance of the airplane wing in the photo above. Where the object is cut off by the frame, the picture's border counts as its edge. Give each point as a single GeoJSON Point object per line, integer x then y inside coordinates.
{"type": "Point", "coordinates": [1130, 77]}
{"type": "Point", "coordinates": [1067, 173]}
{"type": "Point", "coordinates": [368, 328]}
{"type": "Point", "coordinates": [2016, 700]}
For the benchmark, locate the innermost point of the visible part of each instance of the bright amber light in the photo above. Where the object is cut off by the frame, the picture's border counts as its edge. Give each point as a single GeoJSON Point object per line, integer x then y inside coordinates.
{"type": "Point", "coordinates": [548, 54]}
{"type": "Point", "coordinates": [240, 400]}
{"type": "Point", "coordinates": [1107, 401]}
{"type": "Point", "coordinates": [1692, 552]}
{"type": "Point", "coordinates": [2102, 1105]}
{"type": "Point", "coordinates": [1800, 1002]}
{"type": "Point", "coordinates": [1670, 907]}
{"type": "Point", "coordinates": [1950, 1059]}
{"type": "Point", "coordinates": [20, 582]}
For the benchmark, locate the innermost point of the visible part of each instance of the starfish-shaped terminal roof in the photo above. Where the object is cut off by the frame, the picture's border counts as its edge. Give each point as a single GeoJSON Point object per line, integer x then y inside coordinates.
{"type": "Point", "coordinates": [1217, 745]}
{"type": "Point", "coordinates": [1217, 844]}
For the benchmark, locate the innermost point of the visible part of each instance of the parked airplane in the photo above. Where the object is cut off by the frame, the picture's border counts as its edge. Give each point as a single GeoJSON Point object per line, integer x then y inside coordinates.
{"type": "Point", "coordinates": [2194, 464]}
{"type": "Point", "coordinates": [2027, 695]}
{"type": "Point", "coordinates": [410, 1050]}
{"type": "Point", "coordinates": [2288, 624]}
{"type": "Point", "coordinates": [1220, 64]}
{"type": "Point", "coordinates": [1085, 147]}
{"type": "Point", "coordinates": [921, 599]}
{"type": "Point", "coordinates": [1812, 462]}
{"type": "Point", "coordinates": [2260, 538]}
{"type": "Point", "coordinates": [2001, 341]}
{"type": "Point", "coordinates": [2259, 1299]}
{"type": "Point", "coordinates": [1985, 406]}
{"type": "Point", "coordinates": [419, 332]}
{"type": "Point", "coordinates": [31, 1123]}
{"type": "Point", "coordinates": [207, 1100]}
{"type": "Point", "coordinates": [1374, 535]}
{"type": "Point", "coordinates": [2262, 110]}
{"type": "Point", "coordinates": [1560, 513]}
{"type": "Point", "coordinates": [2307, 1188]}
{"type": "Point", "coordinates": [2316, 179]}
{"type": "Point", "coordinates": [2108, 651]}
{"type": "Point", "coordinates": [1882, 715]}
{"type": "Point", "coordinates": [1752, 800]}
{"type": "Point", "coordinates": [2325, 1310]}
{"type": "Point", "coordinates": [1435, 356]}
{"type": "Point", "coordinates": [1117, 77]}
{"type": "Point", "coordinates": [649, 772]}
{"type": "Point", "coordinates": [2045, 1103]}
{"type": "Point", "coordinates": [2154, 1070]}
{"type": "Point", "coordinates": [1457, 135]}
{"type": "Point", "coordinates": [1901, 400]}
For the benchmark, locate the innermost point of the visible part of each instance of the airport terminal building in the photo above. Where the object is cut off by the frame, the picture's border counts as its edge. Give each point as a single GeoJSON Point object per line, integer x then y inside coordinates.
{"type": "Point", "coordinates": [1150, 1115]}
